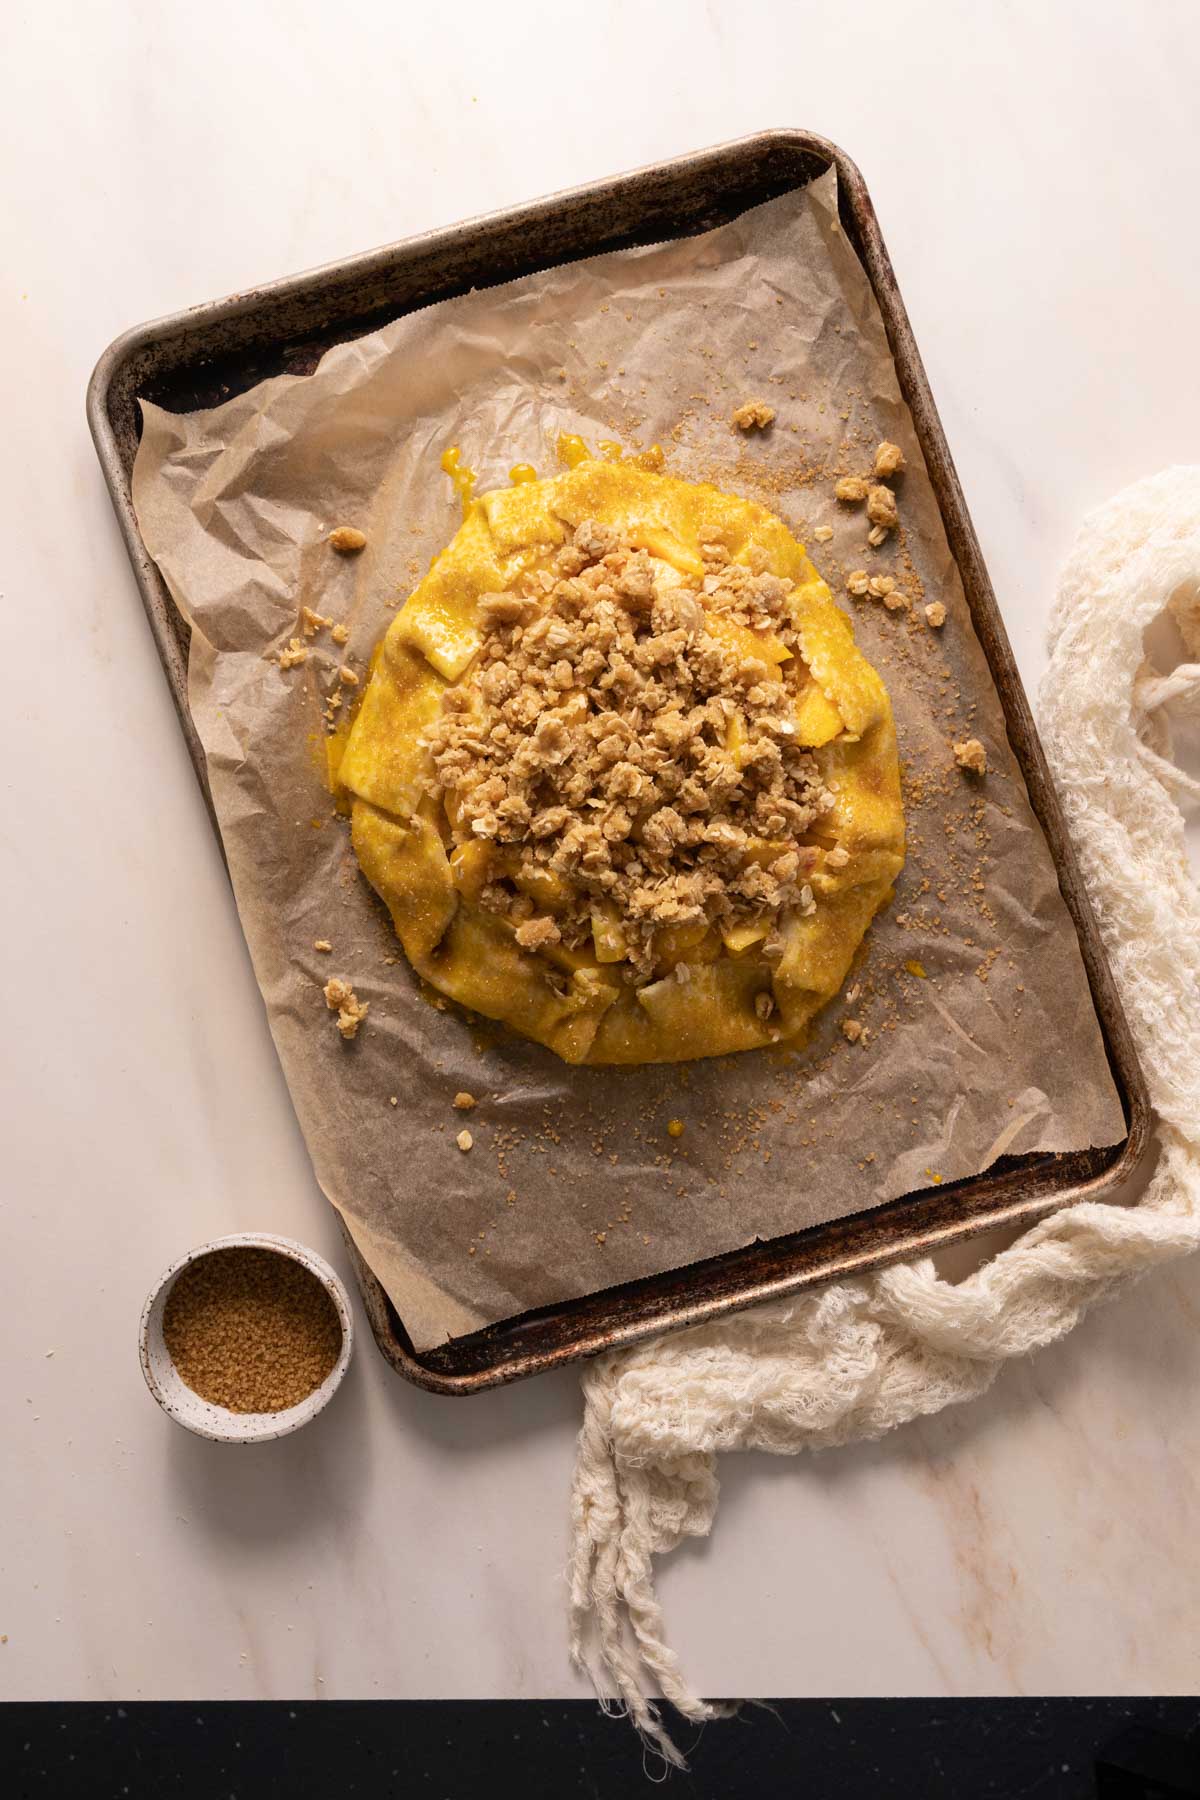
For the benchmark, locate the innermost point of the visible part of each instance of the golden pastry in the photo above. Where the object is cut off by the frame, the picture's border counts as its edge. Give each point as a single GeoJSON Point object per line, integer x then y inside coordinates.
{"type": "Point", "coordinates": [621, 774]}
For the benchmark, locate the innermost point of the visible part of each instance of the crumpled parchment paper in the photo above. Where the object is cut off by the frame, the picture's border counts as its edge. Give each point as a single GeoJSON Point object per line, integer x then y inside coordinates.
{"type": "Point", "coordinates": [981, 1035]}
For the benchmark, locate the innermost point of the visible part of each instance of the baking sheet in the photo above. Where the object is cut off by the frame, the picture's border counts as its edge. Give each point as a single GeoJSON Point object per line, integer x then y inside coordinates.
{"type": "Point", "coordinates": [573, 1183]}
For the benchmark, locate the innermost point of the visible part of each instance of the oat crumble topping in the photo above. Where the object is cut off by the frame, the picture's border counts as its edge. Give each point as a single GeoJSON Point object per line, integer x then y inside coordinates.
{"type": "Point", "coordinates": [971, 756]}
{"type": "Point", "coordinates": [341, 998]}
{"type": "Point", "coordinates": [463, 1102]}
{"type": "Point", "coordinates": [347, 540]}
{"type": "Point", "coordinates": [881, 508]}
{"type": "Point", "coordinates": [295, 654]}
{"type": "Point", "coordinates": [935, 614]}
{"type": "Point", "coordinates": [851, 490]}
{"type": "Point", "coordinates": [311, 622]}
{"type": "Point", "coordinates": [754, 415]}
{"type": "Point", "coordinates": [889, 460]}
{"type": "Point", "coordinates": [622, 762]}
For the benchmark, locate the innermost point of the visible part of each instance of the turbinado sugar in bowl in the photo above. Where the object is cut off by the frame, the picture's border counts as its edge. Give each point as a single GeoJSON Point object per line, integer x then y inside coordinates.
{"type": "Point", "coordinates": [250, 1329]}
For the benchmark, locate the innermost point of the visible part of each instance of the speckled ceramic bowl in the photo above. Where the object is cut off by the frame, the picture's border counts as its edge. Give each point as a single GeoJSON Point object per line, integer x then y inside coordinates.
{"type": "Point", "coordinates": [186, 1407]}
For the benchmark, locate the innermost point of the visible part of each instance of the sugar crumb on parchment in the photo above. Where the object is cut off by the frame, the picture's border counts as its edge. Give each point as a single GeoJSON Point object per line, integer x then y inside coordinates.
{"type": "Point", "coordinates": [323, 945]}
{"type": "Point", "coordinates": [935, 614]}
{"type": "Point", "coordinates": [463, 1102]}
{"type": "Point", "coordinates": [753, 415]}
{"type": "Point", "coordinates": [464, 1140]}
{"type": "Point", "coordinates": [971, 756]}
{"type": "Point", "coordinates": [852, 1030]}
{"type": "Point", "coordinates": [858, 582]}
{"type": "Point", "coordinates": [347, 540]}
{"type": "Point", "coordinates": [341, 998]}
{"type": "Point", "coordinates": [311, 622]}
{"type": "Point", "coordinates": [293, 655]}
{"type": "Point", "coordinates": [822, 534]}
{"type": "Point", "coordinates": [340, 634]}
{"type": "Point", "coordinates": [347, 677]}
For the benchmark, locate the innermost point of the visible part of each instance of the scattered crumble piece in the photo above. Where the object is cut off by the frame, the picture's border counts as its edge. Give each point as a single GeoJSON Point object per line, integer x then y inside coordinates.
{"type": "Point", "coordinates": [347, 677]}
{"type": "Point", "coordinates": [675, 1128]}
{"type": "Point", "coordinates": [341, 998]}
{"type": "Point", "coordinates": [393, 1099]}
{"type": "Point", "coordinates": [601, 1237]}
{"type": "Point", "coordinates": [935, 614]}
{"type": "Point", "coordinates": [464, 1140]}
{"type": "Point", "coordinates": [881, 508]}
{"type": "Point", "coordinates": [295, 653]}
{"type": "Point", "coordinates": [323, 945]}
{"type": "Point", "coordinates": [311, 622]}
{"type": "Point", "coordinates": [889, 459]}
{"type": "Point", "coordinates": [879, 585]}
{"type": "Point", "coordinates": [852, 1029]}
{"type": "Point", "coordinates": [876, 536]}
{"type": "Point", "coordinates": [754, 415]}
{"type": "Point", "coordinates": [851, 490]}
{"type": "Point", "coordinates": [340, 634]}
{"type": "Point", "coordinates": [463, 1102]}
{"type": "Point", "coordinates": [895, 600]}
{"type": "Point", "coordinates": [347, 540]}
{"type": "Point", "coordinates": [917, 969]}
{"type": "Point", "coordinates": [971, 756]}
{"type": "Point", "coordinates": [823, 533]}
{"type": "Point", "coordinates": [858, 582]}
{"type": "Point", "coordinates": [837, 858]}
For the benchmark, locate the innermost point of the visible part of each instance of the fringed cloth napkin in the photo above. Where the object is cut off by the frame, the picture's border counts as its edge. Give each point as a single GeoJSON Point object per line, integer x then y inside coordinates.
{"type": "Point", "coordinates": [861, 1357]}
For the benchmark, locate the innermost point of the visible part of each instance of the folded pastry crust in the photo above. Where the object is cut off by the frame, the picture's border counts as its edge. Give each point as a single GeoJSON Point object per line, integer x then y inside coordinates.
{"type": "Point", "coordinates": [575, 998]}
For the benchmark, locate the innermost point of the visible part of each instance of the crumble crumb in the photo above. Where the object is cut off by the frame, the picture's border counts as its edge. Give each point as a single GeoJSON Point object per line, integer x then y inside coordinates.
{"type": "Point", "coordinates": [340, 634]}
{"type": "Point", "coordinates": [889, 460]}
{"type": "Point", "coordinates": [754, 415]}
{"type": "Point", "coordinates": [295, 653]}
{"type": "Point", "coordinates": [879, 585]}
{"type": "Point", "coordinates": [881, 508]}
{"type": "Point", "coordinates": [311, 622]}
{"type": "Point", "coordinates": [852, 1029]}
{"type": "Point", "coordinates": [347, 540]}
{"type": "Point", "coordinates": [393, 1099]}
{"type": "Point", "coordinates": [895, 600]}
{"type": "Point", "coordinates": [464, 1140]}
{"type": "Point", "coordinates": [341, 998]}
{"type": "Point", "coordinates": [323, 945]}
{"type": "Point", "coordinates": [823, 533]}
{"type": "Point", "coordinates": [347, 677]}
{"type": "Point", "coordinates": [971, 756]}
{"type": "Point", "coordinates": [876, 536]}
{"type": "Point", "coordinates": [857, 582]}
{"type": "Point", "coordinates": [675, 1128]}
{"type": "Point", "coordinates": [935, 614]}
{"type": "Point", "coordinates": [837, 858]}
{"type": "Point", "coordinates": [463, 1102]}
{"type": "Point", "coordinates": [851, 490]}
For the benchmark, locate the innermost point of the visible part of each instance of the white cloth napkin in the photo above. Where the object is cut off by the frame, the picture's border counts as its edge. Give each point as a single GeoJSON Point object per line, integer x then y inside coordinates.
{"type": "Point", "coordinates": [860, 1357]}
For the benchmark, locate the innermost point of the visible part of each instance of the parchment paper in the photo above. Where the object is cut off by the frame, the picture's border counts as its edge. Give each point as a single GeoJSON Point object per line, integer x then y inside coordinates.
{"type": "Point", "coordinates": [982, 1038]}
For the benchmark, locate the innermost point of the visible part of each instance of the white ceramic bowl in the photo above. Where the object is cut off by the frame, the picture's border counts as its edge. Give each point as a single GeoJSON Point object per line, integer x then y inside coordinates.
{"type": "Point", "coordinates": [188, 1408]}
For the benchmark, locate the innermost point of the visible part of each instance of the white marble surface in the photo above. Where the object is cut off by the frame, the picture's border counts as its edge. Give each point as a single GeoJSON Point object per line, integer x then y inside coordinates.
{"type": "Point", "coordinates": [1035, 166]}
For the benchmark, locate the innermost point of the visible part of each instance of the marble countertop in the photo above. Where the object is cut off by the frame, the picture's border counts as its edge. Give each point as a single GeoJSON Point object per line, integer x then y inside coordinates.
{"type": "Point", "coordinates": [1035, 168]}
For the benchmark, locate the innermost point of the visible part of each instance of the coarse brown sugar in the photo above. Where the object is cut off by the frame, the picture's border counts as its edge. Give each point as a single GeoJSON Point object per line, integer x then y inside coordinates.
{"type": "Point", "coordinates": [250, 1329]}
